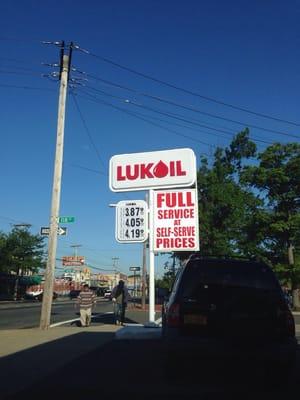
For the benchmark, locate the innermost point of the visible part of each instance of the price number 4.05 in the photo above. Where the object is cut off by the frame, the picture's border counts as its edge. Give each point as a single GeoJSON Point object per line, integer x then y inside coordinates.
{"type": "Point", "coordinates": [134, 222]}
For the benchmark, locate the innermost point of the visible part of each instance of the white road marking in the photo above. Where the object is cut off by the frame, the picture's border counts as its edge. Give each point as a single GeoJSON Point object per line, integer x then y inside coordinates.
{"type": "Point", "coordinates": [64, 322]}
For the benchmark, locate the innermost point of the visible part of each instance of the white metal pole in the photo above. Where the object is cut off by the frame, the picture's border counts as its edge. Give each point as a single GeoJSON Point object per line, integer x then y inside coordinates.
{"type": "Point", "coordinates": [151, 262]}
{"type": "Point", "coordinates": [50, 269]}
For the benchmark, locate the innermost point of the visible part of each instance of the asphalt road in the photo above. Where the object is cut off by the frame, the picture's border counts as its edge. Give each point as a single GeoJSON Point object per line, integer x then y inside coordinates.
{"type": "Point", "coordinates": [138, 369]}
{"type": "Point", "coordinates": [27, 315]}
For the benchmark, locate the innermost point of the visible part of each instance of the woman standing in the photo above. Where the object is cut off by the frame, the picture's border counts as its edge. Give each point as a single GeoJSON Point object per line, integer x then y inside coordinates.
{"type": "Point", "coordinates": [120, 297]}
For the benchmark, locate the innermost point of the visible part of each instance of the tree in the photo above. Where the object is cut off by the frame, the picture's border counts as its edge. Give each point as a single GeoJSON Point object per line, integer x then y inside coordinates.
{"type": "Point", "coordinates": [225, 207]}
{"type": "Point", "coordinates": [22, 251]}
{"type": "Point", "coordinates": [166, 281]}
{"type": "Point", "coordinates": [277, 177]}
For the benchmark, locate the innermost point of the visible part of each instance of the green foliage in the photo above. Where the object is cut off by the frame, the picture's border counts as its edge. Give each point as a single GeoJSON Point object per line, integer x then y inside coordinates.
{"type": "Point", "coordinates": [166, 282]}
{"type": "Point", "coordinates": [277, 177]}
{"type": "Point", "coordinates": [225, 207]}
{"type": "Point", "coordinates": [21, 251]}
{"type": "Point", "coordinates": [252, 210]}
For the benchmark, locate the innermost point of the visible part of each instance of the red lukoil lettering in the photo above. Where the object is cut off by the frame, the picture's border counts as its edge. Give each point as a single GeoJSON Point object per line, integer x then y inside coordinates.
{"type": "Point", "coordinates": [149, 170]}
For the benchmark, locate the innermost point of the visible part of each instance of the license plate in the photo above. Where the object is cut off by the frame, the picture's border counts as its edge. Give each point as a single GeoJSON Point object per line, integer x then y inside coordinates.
{"type": "Point", "coordinates": [195, 319]}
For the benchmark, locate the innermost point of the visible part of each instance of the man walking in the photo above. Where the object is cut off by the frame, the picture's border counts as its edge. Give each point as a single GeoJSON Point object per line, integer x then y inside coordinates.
{"type": "Point", "coordinates": [120, 297]}
{"type": "Point", "coordinates": [86, 301]}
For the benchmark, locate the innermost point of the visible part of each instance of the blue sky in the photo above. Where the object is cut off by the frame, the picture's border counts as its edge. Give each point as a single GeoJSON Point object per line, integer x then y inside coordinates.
{"type": "Point", "coordinates": [237, 52]}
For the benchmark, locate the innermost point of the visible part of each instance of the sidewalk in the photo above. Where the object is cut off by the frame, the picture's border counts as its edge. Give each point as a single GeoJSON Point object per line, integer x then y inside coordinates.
{"type": "Point", "coordinates": [28, 355]}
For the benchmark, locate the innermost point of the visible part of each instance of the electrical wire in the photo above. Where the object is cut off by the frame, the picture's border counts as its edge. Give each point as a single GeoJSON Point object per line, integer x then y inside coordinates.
{"type": "Point", "coordinates": [25, 87]}
{"type": "Point", "coordinates": [95, 99]}
{"type": "Point", "coordinates": [130, 101]}
{"type": "Point", "coordinates": [87, 130]}
{"type": "Point", "coordinates": [5, 72]}
{"type": "Point", "coordinates": [88, 169]}
{"type": "Point", "coordinates": [170, 115]}
{"type": "Point", "coordinates": [190, 108]}
{"type": "Point", "coordinates": [168, 84]}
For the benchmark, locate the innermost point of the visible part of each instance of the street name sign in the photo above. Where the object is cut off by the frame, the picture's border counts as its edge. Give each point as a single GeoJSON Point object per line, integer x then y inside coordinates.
{"type": "Point", "coordinates": [134, 268]}
{"type": "Point", "coordinates": [175, 220]}
{"type": "Point", "coordinates": [45, 230]}
{"type": "Point", "coordinates": [66, 220]}
{"type": "Point", "coordinates": [152, 170]}
{"type": "Point", "coordinates": [131, 221]}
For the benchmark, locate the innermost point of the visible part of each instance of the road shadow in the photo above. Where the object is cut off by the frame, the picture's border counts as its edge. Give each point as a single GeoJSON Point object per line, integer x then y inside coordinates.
{"type": "Point", "coordinates": [23, 369]}
{"type": "Point", "coordinates": [139, 369]}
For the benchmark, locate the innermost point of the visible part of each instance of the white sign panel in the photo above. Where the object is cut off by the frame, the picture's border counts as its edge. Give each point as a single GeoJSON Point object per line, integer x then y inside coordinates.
{"type": "Point", "coordinates": [152, 170]}
{"type": "Point", "coordinates": [175, 220]}
{"type": "Point", "coordinates": [131, 221]}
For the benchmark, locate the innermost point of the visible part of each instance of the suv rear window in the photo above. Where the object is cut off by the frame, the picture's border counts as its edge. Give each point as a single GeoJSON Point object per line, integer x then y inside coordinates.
{"type": "Point", "coordinates": [235, 274]}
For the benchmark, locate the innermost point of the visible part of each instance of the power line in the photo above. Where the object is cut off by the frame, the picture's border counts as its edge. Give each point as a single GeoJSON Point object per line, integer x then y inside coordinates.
{"type": "Point", "coordinates": [87, 130]}
{"type": "Point", "coordinates": [179, 125]}
{"type": "Point", "coordinates": [5, 72]}
{"type": "Point", "coordinates": [211, 99]}
{"type": "Point", "coordinates": [88, 169]}
{"type": "Point", "coordinates": [190, 108]}
{"type": "Point", "coordinates": [17, 67]}
{"type": "Point", "coordinates": [147, 95]}
{"type": "Point", "coordinates": [170, 115]}
{"type": "Point", "coordinates": [20, 39]}
{"type": "Point", "coordinates": [95, 99]}
{"type": "Point", "coordinates": [25, 87]}
{"type": "Point", "coordinates": [9, 219]}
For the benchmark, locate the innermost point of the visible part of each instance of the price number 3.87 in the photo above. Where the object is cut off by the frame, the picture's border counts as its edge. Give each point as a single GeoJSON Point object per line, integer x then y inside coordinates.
{"type": "Point", "coordinates": [134, 222]}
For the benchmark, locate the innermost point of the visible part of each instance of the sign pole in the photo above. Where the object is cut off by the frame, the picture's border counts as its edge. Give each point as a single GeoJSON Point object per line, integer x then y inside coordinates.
{"type": "Point", "coordinates": [151, 264]}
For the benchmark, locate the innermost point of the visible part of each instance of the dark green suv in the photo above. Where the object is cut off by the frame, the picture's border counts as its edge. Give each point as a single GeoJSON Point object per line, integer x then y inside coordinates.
{"type": "Point", "coordinates": [229, 308]}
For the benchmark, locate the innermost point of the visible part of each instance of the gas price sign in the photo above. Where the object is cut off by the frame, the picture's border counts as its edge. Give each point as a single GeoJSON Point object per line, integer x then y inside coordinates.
{"type": "Point", "coordinates": [131, 221]}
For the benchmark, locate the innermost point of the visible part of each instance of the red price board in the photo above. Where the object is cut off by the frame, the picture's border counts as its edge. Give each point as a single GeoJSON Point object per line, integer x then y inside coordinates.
{"type": "Point", "coordinates": [175, 220]}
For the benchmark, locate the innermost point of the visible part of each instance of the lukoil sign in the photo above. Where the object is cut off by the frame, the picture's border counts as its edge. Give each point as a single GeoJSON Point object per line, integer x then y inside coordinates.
{"type": "Point", "coordinates": [152, 170]}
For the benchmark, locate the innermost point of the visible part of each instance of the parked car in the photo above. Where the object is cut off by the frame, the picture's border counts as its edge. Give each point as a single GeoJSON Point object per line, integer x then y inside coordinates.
{"type": "Point", "coordinates": [38, 295]}
{"type": "Point", "coordinates": [229, 308]}
{"type": "Point", "coordinates": [96, 289]}
{"type": "Point", "coordinates": [107, 295]}
{"type": "Point", "coordinates": [74, 293]}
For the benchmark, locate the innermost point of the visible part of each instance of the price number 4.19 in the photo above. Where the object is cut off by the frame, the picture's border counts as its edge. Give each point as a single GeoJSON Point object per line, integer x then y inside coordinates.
{"type": "Point", "coordinates": [134, 220]}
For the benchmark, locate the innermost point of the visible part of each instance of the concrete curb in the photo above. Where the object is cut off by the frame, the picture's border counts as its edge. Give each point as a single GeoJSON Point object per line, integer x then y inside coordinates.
{"type": "Point", "coordinates": [138, 332]}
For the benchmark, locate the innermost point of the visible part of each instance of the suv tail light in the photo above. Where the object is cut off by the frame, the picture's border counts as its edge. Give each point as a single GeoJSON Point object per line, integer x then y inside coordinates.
{"type": "Point", "coordinates": [173, 315]}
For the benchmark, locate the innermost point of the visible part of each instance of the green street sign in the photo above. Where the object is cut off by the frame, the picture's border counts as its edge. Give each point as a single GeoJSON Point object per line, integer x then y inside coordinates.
{"type": "Point", "coordinates": [66, 220]}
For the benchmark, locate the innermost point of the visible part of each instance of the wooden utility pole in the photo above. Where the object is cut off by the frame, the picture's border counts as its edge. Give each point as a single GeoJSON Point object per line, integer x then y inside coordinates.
{"type": "Point", "coordinates": [52, 244]}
